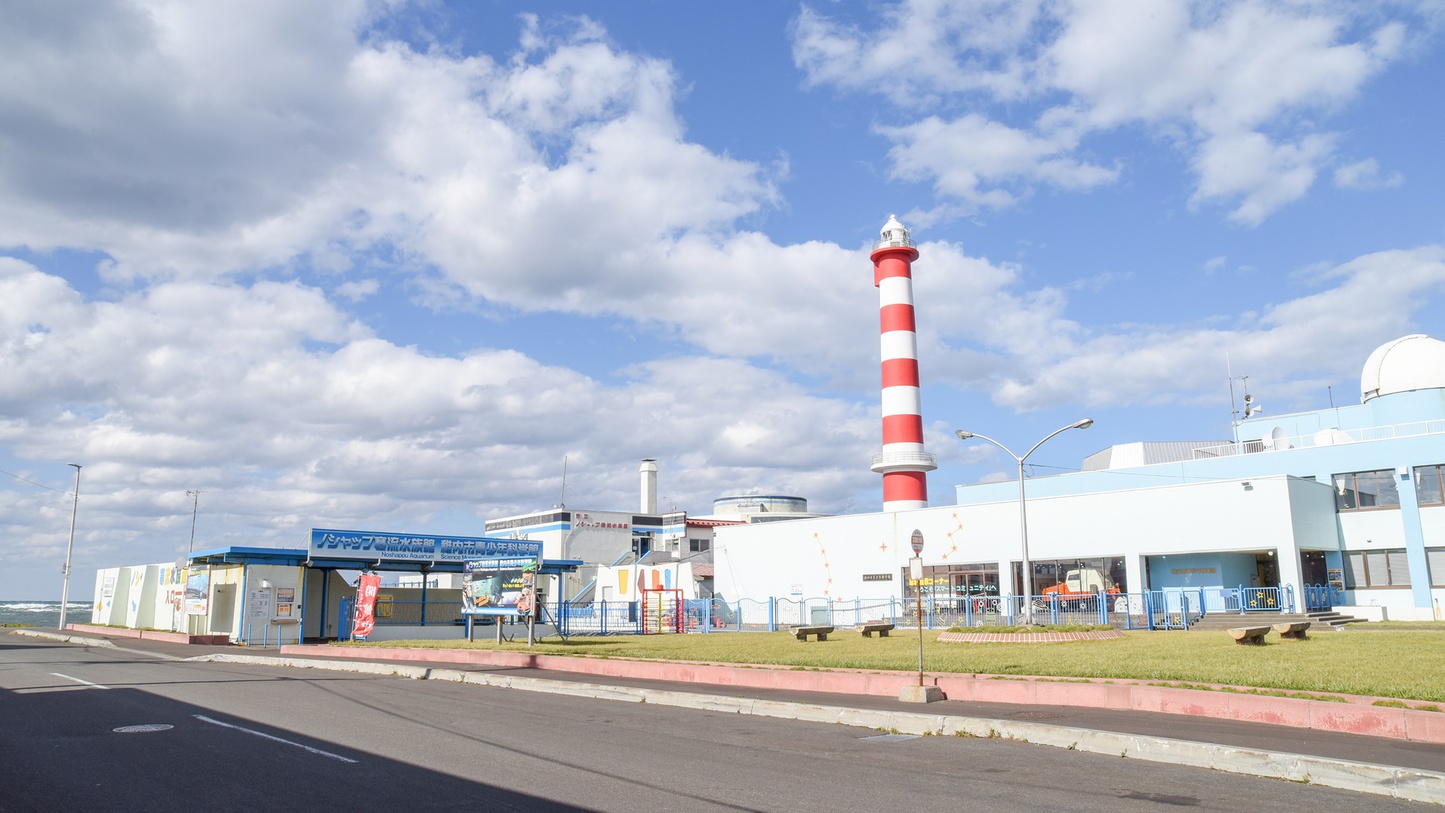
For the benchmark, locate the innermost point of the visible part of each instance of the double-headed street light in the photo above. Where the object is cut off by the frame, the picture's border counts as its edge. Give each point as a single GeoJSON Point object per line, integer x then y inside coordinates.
{"type": "Point", "coordinates": [69, 546]}
{"type": "Point", "coordinates": [1028, 608]}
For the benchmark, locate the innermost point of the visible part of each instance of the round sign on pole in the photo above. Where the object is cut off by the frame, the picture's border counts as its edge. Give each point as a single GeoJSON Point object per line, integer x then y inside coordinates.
{"type": "Point", "coordinates": [917, 542]}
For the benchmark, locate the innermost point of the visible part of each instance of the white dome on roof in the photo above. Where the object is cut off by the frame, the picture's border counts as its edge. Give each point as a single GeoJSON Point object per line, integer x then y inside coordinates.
{"type": "Point", "coordinates": [1414, 362]}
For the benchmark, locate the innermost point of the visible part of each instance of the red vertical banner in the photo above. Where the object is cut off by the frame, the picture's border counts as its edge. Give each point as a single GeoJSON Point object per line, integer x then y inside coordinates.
{"type": "Point", "coordinates": [366, 589]}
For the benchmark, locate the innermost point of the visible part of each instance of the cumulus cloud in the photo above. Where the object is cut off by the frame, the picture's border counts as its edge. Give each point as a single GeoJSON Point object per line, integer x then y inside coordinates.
{"type": "Point", "coordinates": [1358, 304]}
{"type": "Point", "coordinates": [286, 413]}
{"type": "Point", "coordinates": [1239, 87]}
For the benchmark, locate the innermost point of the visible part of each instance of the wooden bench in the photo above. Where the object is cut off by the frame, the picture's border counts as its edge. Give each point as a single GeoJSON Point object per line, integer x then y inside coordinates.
{"type": "Point", "coordinates": [1249, 635]}
{"type": "Point", "coordinates": [804, 632]}
{"type": "Point", "coordinates": [880, 627]}
{"type": "Point", "coordinates": [1292, 629]}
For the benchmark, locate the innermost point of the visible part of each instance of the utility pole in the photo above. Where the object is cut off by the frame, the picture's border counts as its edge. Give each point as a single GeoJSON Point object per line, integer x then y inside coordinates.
{"type": "Point", "coordinates": [195, 505]}
{"type": "Point", "coordinates": [69, 547]}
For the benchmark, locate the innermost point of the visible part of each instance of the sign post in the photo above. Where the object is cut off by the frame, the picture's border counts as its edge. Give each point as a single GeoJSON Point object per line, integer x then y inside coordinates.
{"type": "Point", "coordinates": [915, 568]}
{"type": "Point", "coordinates": [919, 693]}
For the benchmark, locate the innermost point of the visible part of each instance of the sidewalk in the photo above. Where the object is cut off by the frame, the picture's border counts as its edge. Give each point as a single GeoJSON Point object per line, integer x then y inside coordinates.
{"type": "Point", "coordinates": [1371, 764]}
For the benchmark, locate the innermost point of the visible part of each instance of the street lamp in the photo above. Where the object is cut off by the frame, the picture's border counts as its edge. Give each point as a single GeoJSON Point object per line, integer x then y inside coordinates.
{"type": "Point", "coordinates": [69, 546]}
{"type": "Point", "coordinates": [1028, 567]}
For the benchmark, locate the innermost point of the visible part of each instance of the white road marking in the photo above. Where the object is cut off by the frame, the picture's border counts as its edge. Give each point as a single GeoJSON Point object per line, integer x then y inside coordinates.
{"type": "Point", "coordinates": [78, 680]}
{"type": "Point", "coordinates": [264, 735]}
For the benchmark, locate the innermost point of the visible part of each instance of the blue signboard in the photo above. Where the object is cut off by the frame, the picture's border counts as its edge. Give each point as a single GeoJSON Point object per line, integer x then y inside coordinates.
{"type": "Point", "coordinates": [379, 546]}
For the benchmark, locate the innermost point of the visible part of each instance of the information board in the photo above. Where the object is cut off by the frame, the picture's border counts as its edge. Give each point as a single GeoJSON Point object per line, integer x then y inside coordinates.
{"type": "Point", "coordinates": [500, 585]}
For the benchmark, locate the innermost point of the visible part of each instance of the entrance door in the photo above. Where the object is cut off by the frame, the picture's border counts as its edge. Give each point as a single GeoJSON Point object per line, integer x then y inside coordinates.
{"type": "Point", "coordinates": [1312, 567]}
{"type": "Point", "coordinates": [1268, 570]}
{"type": "Point", "coordinates": [223, 609]}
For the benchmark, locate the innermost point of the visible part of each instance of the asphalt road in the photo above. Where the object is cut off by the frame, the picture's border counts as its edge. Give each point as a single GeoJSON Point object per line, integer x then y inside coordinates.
{"type": "Point", "coordinates": [260, 738]}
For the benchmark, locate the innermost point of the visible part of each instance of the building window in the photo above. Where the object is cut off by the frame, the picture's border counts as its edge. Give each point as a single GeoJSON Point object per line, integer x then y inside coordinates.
{"type": "Point", "coordinates": [698, 545]}
{"type": "Point", "coordinates": [1366, 490]}
{"type": "Point", "coordinates": [1427, 485]}
{"type": "Point", "coordinates": [1376, 568]}
{"type": "Point", "coordinates": [1435, 557]}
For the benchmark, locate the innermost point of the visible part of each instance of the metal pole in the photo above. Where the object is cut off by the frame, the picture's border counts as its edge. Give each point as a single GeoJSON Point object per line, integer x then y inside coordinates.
{"type": "Point", "coordinates": [195, 506]}
{"type": "Point", "coordinates": [1028, 570]}
{"type": "Point", "coordinates": [918, 591]}
{"type": "Point", "coordinates": [69, 547]}
{"type": "Point", "coordinates": [1028, 566]}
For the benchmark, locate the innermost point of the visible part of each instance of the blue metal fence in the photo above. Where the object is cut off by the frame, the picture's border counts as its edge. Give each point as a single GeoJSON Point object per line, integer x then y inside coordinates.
{"type": "Point", "coordinates": [1319, 597]}
{"type": "Point", "coordinates": [1150, 610]}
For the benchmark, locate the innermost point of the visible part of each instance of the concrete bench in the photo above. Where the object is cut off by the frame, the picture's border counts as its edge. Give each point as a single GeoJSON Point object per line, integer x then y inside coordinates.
{"type": "Point", "coordinates": [1292, 629]}
{"type": "Point", "coordinates": [880, 627]}
{"type": "Point", "coordinates": [803, 632]}
{"type": "Point", "coordinates": [1249, 635]}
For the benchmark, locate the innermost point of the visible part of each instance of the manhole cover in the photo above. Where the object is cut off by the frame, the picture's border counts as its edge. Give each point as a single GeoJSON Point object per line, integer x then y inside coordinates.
{"type": "Point", "coordinates": [1035, 715]}
{"type": "Point", "coordinates": [144, 728]}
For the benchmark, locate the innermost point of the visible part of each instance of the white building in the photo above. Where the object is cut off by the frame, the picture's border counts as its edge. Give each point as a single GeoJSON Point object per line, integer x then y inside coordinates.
{"type": "Point", "coordinates": [1349, 495]}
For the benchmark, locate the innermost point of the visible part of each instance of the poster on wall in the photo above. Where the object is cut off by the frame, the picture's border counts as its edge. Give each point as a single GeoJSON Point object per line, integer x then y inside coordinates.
{"type": "Point", "coordinates": [504, 585]}
{"type": "Point", "coordinates": [366, 590]}
{"type": "Point", "coordinates": [285, 603]}
{"type": "Point", "coordinates": [258, 605]}
{"type": "Point", "coordinates": [198, 592]}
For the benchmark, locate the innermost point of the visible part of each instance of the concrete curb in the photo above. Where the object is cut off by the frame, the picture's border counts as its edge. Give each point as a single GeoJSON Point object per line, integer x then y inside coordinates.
{"type": "Point", "coordinates": [1319, 715]}
{"type": "Point", "coordinates": [69, 639]}
{"type": "Point", "coordinates": [1382, 780]}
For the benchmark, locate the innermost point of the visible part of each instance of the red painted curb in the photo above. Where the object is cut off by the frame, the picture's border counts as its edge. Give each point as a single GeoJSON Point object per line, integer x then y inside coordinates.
{"type": "Point", "coordinates": [1355, 716]}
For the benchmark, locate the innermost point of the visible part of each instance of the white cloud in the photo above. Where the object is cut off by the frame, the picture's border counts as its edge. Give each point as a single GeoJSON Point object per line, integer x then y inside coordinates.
{"type": "Point", "coordinates": [1239, 87]}
{"type": "Point", "coordinates": [1263, 176]}
{"type": "Point", "coordinates": [1365, 175]}
{"type": "Point", "coordinates": [1359, 305]}
{"type": "Point", "coordinates": [357, 290]}
{"type": "Point", "coordinates": [285, 413]}
{"type": "Point", "coordinates": [970, 157]}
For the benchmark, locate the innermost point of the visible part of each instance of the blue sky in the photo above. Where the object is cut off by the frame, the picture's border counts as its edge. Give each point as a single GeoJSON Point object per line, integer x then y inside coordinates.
{"type": "Point", "coordinates": [386, 265]}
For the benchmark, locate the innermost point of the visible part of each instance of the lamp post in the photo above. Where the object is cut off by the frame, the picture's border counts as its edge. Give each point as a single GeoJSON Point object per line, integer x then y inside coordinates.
{"type": "Point", "coordinates": [69, 547]}
{"type": "Point", "coordinates": [1028, 567]}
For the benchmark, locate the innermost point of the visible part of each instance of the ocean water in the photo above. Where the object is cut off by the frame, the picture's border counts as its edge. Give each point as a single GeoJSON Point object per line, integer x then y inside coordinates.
{"type": "Point", "coordinates": [45, 614]}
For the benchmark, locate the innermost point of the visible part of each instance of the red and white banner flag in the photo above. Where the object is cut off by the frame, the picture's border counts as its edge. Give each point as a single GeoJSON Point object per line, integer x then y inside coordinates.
{"type": "Point", "coordinates": [366, 589]}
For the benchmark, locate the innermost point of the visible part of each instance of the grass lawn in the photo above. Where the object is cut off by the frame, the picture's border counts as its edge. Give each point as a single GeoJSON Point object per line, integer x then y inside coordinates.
{"type": "Point", "coordinates": [1404, 664]}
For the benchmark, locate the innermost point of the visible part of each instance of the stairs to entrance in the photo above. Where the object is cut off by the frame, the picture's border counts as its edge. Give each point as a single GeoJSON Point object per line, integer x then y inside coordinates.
{"type": "Point", "coordinates": [1325, 620]}
{"type": "Point", "coordinates": [1333, 619]}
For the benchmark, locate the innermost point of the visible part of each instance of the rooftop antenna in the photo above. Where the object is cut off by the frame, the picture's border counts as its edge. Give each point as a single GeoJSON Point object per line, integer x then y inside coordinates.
{"type": "Point", "coordinates": [1238, 416]}
{"type": "Point", "coordinates": [562, 503]}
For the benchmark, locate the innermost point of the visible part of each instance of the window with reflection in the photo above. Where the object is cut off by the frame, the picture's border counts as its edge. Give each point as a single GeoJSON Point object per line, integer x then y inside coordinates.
{"type": "Point", "coordinates": [1427, 485]}
{"type": "Point", "coordinates": [1366, 490]}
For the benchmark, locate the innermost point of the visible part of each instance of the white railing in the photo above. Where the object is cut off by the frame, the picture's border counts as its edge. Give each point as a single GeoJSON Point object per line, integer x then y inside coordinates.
{"type": "Point", "coordinates": [905, 242]}
{"type": "Point", "coordinates": [1331, 437]}
{"type": "Point", "coordinates": [904, 461]}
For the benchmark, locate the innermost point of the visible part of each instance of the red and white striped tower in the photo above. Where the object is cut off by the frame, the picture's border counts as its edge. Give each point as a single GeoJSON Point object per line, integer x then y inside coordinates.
{"type": "Point", "coordinates": [903, 463]}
